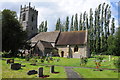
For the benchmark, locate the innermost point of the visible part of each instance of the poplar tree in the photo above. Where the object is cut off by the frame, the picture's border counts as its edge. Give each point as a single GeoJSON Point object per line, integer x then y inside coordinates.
{"type": "Point", "coordinates": [76, 23]}
{"type": "Point", "coordinates": [80, 22]}
{"type": "Point", "coordinates": [45, 27]}
{"type": "Point", "coordinates": [113, 26]}
{"type": "Point", "coordinates": [72, 28]}
{"type": "Point", "coordinates": [67, 24]}
{"type": "Point", "coordinates": [84, 17]}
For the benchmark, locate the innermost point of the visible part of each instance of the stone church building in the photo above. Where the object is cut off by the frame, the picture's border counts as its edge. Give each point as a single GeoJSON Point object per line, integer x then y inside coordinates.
{"type": "Point", "coordinates": [73, 44]}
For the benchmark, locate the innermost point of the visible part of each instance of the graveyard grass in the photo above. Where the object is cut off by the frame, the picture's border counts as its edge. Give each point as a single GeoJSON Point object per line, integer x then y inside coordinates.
{"type": "Point", "coordinates": [86, 73]}
{"type": "Point", "coordinates": [22, 73]}
{"type": "Point", "coordinates": [89, 73]}
{"type": "Point", "coordinates": [75, 62]}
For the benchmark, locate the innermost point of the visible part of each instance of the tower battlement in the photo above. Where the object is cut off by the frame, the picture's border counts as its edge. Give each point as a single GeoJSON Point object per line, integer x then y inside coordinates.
{"type": "Point", "coordinates": [28, 19]}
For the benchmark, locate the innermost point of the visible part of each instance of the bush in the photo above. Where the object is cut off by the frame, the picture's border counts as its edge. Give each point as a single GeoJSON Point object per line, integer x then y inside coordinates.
{"type": "Point", "coordinates": [83, 61]}
{"type": "Point", "coordinates": [117, 63]}
{"type": "Point", "coordinates": [5, 54]}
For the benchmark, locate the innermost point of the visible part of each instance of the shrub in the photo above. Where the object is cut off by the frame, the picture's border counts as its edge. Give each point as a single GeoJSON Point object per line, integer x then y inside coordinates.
{"type": "Point", "coordinates": [83, 61]}
{"type": "Point", "coordinates": [117, 63]}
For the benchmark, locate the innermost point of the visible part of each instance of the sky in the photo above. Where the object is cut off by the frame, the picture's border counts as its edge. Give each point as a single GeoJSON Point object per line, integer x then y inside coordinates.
{"type": "Point", "coordinates": [51, 10]}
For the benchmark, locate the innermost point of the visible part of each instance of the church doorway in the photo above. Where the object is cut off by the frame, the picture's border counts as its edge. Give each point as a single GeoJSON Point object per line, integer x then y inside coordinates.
{"type": "Point", "coordinates": [62, 54]}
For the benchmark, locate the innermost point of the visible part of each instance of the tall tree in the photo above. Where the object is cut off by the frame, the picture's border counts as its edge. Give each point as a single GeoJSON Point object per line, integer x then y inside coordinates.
{"type": "Point", "coordinates": [72, 28]}
{"type": "Point", "coordinates": [76, 23]}
{"type": "Point", "coordinates": [80, 22]}
{"type": "Point", "coordinates": [91, 31]}
{"type": "Point", "coordinates": [41, 27]}
{"type": "Point", "coordinates": [58, 25]}
{"type": "Point", "coordinates": [84, 18]}
{"type": "Point", "coordinates": [13, 37]}
{"type": "Point", "coordinates": [45, 27]}
{"type": "Point", "coordinates": [113, 26]}
{"type": "Point", "coordinates": [67, 24]}
{"type": "Point", "coordinates": [98, 29]}
{"type": "Point", "coordinates": [102, 26]}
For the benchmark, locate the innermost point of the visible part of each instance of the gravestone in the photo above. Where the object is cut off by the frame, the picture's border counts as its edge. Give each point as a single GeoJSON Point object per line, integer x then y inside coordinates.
{"type": "Point", "coordinates": [15, 66]}
{"type": "Point", "coordinates": [9, 61]}
{"type": "Point", "coordinates": [31, 72]}
{"type": "Point", "coordinates": [40, 74]}
{"type": "Point", "coordinates": [23, 65]}
{"type": "Point", "coordinates": [52, 69]}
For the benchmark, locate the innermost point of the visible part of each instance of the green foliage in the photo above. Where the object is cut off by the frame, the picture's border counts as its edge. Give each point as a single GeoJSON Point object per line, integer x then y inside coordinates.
{"type": "Point", "coordinates": [111, 45]}
{"type": "Point", "coordinates": [13, 37]}
{"type": "Point", "coordinates": [67, 24]}
{"type": "Point", "coordinates": [71, 28]}
{"type": "Point", "coordinates": [58, 25]}
{"type": "Point", "coordinates": [76, 23]}
{"type": "Point", "coordinates": [83, 61]}
{"type": "Point", "coordinates": [117, 42]}
{"type": "Point", "coordinates": [5, 54]}
{"type": "Point", "coordinates": [117, 63]}
{"type": "Point", "coordinates": [80, 23]}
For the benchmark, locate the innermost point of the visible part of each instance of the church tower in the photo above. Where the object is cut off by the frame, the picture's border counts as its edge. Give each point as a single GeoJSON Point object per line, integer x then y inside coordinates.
{"type": "Point", "coordinates": [28, 19]}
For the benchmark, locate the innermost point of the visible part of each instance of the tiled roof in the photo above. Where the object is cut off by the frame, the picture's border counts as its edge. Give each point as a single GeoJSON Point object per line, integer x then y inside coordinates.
{"type": "Point", "coordinates": [71, 38]}
{"type": "Point", "coordinates": [46, 36]}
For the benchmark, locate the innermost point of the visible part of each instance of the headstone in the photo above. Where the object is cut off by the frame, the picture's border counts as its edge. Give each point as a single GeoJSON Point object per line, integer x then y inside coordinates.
{"type": "Point", "coordinates": [9, 61]}
{"type": "Point", "coordinates": [40, 74]}
{"type": "Point", "coordinates": [23, 65]}
{"type": "Point", "coordinates": [52, 69]}
{"type": "Point", "coordinates": [31, 72]}
{"type": "Point", "coordinates": [15, 66]}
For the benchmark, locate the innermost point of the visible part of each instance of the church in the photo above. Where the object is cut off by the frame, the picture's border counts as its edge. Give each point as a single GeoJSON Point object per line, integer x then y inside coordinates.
{"type": "Point", "coordinates": [72, 44]}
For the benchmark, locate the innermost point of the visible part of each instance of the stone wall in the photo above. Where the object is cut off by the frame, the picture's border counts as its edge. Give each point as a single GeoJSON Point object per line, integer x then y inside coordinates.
{"type": "Point", "coordinates": [82, 51]}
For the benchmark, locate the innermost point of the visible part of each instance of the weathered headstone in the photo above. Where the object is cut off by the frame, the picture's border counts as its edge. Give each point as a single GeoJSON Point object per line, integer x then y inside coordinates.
{"type": "Point", "coordinates": [9, 61]}
{"type": "Point", "coordinates": [15, 66]}
{"type": "Point", "coordinates": [31, 72]}
{"type": "Point", "coordinates": [52, 69]}
{"type": "Point", "coordinates": [40, 74]}
{"type": "Point", "coordinates": [23, 65]}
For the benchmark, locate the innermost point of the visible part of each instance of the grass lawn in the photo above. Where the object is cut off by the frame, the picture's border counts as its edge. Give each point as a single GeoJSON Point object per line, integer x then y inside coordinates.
{"type": "Point", "coordinates": [76, 62]}
{"type": "Point", "coordinates": [22, 73]}
{"type": "Point", "coordinates": [86, 73]}
{"type": "Point", "coordinates": [89, 73]}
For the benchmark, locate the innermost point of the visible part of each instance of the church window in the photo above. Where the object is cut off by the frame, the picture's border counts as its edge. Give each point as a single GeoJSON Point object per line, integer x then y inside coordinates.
{"type": "Point", "coordinates": [24, 15]}
{"type": "Point", "coordinates": [32, 28]}
{"type": "Point", "coordinates": [76, 48]}
{"type": "Point", "coordinates": [32, 18]}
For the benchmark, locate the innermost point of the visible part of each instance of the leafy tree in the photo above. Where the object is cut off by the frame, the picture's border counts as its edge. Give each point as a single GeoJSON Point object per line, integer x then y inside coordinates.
{"type": "Point", "coordinates": [58, 25]}
{"type": "Point", "coordinates": [67, 24]}
{"type": "Point", "coordinates": [13, 37]}
{"type": "Point", "coordinates": [113, 26]}
{"type": "Point", "coordinates": [41, 27]}
{"type": "Point", "coordinates": [72, 28]}
{"type": "Point", "coordinates": [84, 18]}
{"type": "Point", "coordinates": [102, 25]}
{"type": "Point", "coordinates": [76, 23]}
{"type": "Point", "coordinates": [80, 22]}
{"type": "Point", "coordinates": [117, 42]}
{"type": "Point", "coordinates": [111, 45]}
{"type": "Point", "coordinates": [45, 27]}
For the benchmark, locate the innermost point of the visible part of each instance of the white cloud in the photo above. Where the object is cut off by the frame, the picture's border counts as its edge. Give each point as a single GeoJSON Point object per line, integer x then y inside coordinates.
{"type": "Point", "coordinates": [51, 10]}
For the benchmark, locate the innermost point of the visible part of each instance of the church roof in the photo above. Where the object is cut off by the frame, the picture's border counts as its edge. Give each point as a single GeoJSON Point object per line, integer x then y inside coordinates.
{"type": "Point", "coordinates": [72, 38]}
{"type": "Point", "coordinates": [46, 36]}
{"type": "Point", "coordinates": [44, 43]}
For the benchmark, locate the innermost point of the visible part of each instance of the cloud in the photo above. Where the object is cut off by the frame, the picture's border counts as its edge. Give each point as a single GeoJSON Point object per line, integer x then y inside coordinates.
{"type": "Point", "coordinates": [51, 10]}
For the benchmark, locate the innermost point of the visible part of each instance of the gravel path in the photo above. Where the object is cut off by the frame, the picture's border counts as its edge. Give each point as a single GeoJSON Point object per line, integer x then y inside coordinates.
{"type": "Point", "coordinates": [72, 74]}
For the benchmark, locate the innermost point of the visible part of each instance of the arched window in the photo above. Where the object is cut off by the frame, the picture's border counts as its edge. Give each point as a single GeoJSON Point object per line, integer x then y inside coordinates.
{"type": "Point", "coordinates": [32, 19]}
{"type": "Point", "coordinates": [76, 48]}
{"type": "Point", "coordinates": [24, 15]}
